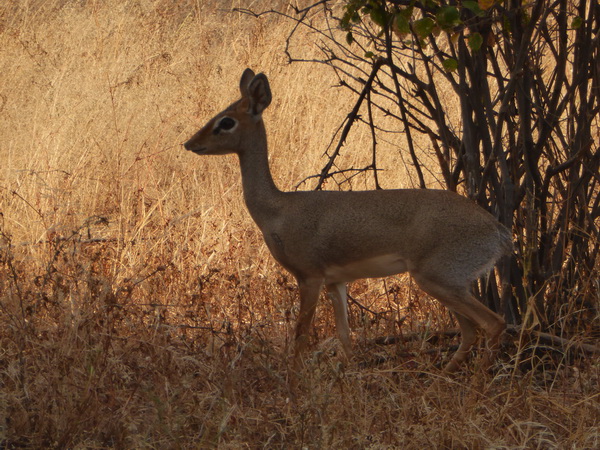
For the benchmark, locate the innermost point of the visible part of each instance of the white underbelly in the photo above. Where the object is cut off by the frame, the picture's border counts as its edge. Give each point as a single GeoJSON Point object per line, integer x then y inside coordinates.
{"type": "Point", "coordinates": [376, 267]}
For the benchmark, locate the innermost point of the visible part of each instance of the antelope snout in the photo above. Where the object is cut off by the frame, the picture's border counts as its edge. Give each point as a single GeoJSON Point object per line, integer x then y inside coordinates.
{"type": "Point", "coordinates": [193, 147]}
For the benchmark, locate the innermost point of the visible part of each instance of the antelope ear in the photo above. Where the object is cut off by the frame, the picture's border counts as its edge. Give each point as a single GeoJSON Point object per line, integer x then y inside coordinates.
{"type": "Point", "coordinates": [259, 94]}
{"type": "Point", "coordinates": [247, 77]}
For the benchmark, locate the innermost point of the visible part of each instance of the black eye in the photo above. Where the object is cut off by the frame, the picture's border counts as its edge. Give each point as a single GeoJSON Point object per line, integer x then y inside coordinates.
{"type": "Point", "coordinates": [226, 123]}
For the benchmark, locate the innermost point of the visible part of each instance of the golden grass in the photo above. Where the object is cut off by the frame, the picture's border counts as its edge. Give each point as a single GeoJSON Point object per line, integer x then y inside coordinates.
{"type": "Point", "coordinates": [139, 307]}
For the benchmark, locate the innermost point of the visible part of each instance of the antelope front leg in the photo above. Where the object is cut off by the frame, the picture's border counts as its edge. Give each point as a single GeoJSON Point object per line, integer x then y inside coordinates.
{"type": "Point", "coordinates": [309, 295]}
{"type": "Point", "coordinates": [338, 296]}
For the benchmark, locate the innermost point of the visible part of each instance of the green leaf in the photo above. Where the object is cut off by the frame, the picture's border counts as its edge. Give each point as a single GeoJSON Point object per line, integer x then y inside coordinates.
{"type": "Point", "coordinates": [486, 4]}
{"type": "Point", "coordinates": [407, 12]}
{"type": "Point", "coordinates": [379, 16]}
{"type": "Point", "coordinates": [473, 7]}
{"type": "Point", "coordinates": [448, 17]}
{"type": "Point", "coordinates": [424, 27]}
{"type": "Point", "coordinates": [450, 64]}
{"type": "Point", "coordinates": [345, 22]}
{"type": "Point", "coordinates": [506, 26]}
{"type": "Point", "coordinates": [369, 55]}
{"type": "Point", "coordinates": [401, 24]}
{"type": "Point", "coordinates": [351, 15]}
{"type": "Point", "coordinates": [576, 22]}
{"type": "Point", "coordinates": [349, 38]}
{"type": "Point", "coordinates": [475, 41]}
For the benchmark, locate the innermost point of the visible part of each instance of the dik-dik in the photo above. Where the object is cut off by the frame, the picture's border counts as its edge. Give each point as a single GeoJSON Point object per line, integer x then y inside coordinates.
{"type": "Point", "coordinates": [330, 238]}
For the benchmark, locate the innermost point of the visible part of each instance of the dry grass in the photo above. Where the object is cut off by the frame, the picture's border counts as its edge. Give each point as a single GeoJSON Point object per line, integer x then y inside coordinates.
{"type": "Point", "coordinates": [139, 307]}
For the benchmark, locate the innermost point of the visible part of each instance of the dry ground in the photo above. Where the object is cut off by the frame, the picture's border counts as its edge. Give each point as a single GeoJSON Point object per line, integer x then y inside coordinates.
{"type": "Point", "coordinates": [139, 307]}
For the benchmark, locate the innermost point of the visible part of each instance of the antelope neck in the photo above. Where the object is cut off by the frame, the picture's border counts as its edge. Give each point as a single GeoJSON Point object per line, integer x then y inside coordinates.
{"type": "Point", "coordinates": [261, 195]}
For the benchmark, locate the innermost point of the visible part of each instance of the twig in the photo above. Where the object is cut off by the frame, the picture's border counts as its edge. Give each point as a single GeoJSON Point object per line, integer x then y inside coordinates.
{"type": "Point", "coordinates": [349, 122]}
{"type": "Point", "coordinates": [550, 339]}
{"type": "Point", "coordinates": [513, 330]}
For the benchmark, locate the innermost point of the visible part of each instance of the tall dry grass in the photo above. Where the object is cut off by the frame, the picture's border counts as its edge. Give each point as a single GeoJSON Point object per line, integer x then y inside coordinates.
{"type": "Point", "coordinates": [139, 307]}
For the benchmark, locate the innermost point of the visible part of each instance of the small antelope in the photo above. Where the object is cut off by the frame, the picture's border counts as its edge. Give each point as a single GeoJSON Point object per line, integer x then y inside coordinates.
{"type": "Point", "coordinates": [331, 238]}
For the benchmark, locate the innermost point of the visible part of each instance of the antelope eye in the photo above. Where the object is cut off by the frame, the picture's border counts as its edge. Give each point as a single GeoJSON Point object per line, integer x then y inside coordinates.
{"type": "Point", "coordinates": [226, 123]}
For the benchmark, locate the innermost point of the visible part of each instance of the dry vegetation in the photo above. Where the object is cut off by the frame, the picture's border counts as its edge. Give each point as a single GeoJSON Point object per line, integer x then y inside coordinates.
{"type": "Point", "coordinates": [139, 307]}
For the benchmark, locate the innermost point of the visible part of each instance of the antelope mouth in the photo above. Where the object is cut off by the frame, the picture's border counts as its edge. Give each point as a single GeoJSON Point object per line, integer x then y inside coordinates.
{"type": "Point", "coordinates": [192, 148]}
